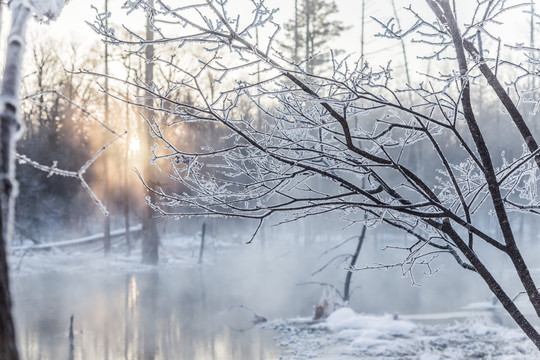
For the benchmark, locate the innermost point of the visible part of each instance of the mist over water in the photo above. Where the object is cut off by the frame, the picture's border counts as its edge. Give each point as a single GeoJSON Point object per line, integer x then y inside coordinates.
{"type": "Point", "coordinates": [208, 311]}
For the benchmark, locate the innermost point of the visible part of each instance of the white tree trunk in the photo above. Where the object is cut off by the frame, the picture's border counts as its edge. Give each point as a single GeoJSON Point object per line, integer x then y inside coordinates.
{"type": "Point", "coordinates": [10, 126]}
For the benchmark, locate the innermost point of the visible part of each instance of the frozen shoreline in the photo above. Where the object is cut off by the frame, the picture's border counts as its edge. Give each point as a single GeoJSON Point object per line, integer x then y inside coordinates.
{"type": "Point", "coordinates": [175, 252]}
{"type": "Point", "coordinates": [346, 335]}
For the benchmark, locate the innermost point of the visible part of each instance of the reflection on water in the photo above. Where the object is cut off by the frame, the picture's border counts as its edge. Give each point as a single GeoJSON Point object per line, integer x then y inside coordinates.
{"type": "Point", "coordinates": [195, 313]}
{"type": "Point", "coordinates": [134, 316]}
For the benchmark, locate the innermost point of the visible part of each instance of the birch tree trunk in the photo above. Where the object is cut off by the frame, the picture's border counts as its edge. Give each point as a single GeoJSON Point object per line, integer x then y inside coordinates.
{"type": "Point", "coordinates": [10, 126]}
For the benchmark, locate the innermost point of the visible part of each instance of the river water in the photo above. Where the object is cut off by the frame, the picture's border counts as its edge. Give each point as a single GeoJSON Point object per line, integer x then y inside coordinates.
{"type": "Point", "coordinates": [204, 312]}
{"type": "Point", "coordinates": [133, 316]}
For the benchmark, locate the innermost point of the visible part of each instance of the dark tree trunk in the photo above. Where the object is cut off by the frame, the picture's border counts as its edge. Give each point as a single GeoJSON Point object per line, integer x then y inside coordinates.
{"type": "Point", "coordinates": [308, 35]}
{"type": "Point", "coordinates": [493, 285]}
{"type": "Point", "coordinates": [348, 277]}
{"type": "Point", "coordinates": [71, 355]}
{"type": "Point", "coordinates": [150, 242]}
{"type": "Point", "coordinates": [126, 169]}
{"type": "Point", "coordinates": [442, 10]}
{"type": "Point", "coordinates": [203, 231]}
{"type": "Point", "coordinates": [295, 31]}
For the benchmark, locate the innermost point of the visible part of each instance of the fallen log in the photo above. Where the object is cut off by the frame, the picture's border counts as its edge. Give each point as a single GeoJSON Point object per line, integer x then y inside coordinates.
{"type": "Point", "coordinates": [79, 241]}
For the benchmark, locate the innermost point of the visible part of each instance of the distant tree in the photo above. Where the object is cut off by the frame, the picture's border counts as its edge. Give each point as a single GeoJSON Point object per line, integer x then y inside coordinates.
{"type": "Point", "coordinates": [57, 129]}
{"type": "Point", "coordinates": [106, 110]}
{"type": "Point", "coordinates": [324, 136]}
{"type": "Point", "coordinates": [65, 126]}
{"type": "Point", "coordinates": [150, 241]}
{"type": "Point", "coordinates": [309, 33]}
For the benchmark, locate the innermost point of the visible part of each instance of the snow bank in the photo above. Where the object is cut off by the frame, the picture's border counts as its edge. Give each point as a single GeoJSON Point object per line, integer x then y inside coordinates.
{"type": "Point", "coordinates": [348, 335]}
{"type": "Point", "coordinates": [175, 251]}
{"type": "Point", "coordinates": [368, 332]}
{"type": "Point", "coordinates": [346, 318]}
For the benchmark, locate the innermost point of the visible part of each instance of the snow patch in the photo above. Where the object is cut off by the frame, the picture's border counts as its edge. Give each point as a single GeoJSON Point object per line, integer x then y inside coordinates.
{"type": "Point", "coordinates": [347, 335]}
{"type": "Point", "coordinates": [346, 318]}
{"type": "Point", "coordinates": [482, 329]}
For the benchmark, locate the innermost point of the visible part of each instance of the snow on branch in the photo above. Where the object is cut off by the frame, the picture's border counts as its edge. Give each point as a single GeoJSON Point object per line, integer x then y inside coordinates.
{"type": "Point", "coordinates": [46, 10]}
{"type": "Point", "coordinates": [435, 158]}
{"type": "Point", "coordinates": [79, 174]}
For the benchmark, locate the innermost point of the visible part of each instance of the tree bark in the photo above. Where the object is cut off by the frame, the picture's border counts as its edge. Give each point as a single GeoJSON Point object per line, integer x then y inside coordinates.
{"type": "Point", "coordinates": [10, 126]}
{"type": "Point", "coordinates": [201, 250]}
{"type": "Point", "coordinates": [442, 10]}
{"type": "Point", "coordinates": [493, 285]}
{"type": "Point", "coordinates": [107, 222]}
{"type": "Point", "coordinates": [347, 288]}
{"type": "Point", "coordinates": [150, 242]}
{"type": "Point", "coordinates": [309, 51]}
{"type": "Point", "coordinates": [295, 31]}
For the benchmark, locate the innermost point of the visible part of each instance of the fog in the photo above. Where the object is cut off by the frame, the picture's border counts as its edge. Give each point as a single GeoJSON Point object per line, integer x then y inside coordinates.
{"type": "Point", "coordinates": [185, 310]}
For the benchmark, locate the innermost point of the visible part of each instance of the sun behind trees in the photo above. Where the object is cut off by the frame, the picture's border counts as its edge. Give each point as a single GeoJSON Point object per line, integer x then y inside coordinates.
{"type": "Point", "coordinates": [321, 137]}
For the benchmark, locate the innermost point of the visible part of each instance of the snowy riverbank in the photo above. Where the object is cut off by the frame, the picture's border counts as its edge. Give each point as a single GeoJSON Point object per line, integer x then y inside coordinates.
{"type": "Point", "coordinates": [346, 335]}
{"type": "Point", "coordinates": [175, 251]}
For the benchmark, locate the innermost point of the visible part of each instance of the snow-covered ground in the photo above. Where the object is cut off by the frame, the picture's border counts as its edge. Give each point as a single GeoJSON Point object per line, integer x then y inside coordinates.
{"type": "Point", "coordinates": [175, 251]}
{"type": "Point", "coordinates": [346, 335]}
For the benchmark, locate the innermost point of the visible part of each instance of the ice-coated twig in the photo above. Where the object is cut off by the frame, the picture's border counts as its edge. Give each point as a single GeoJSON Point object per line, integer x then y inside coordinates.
{"type": "Point", "coordinates": [351, 139]}
{"type": "Point", "coordinates": [79, 174]}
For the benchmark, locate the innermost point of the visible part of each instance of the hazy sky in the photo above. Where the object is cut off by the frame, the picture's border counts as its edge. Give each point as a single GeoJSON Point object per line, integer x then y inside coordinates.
{"type": "Point", "coordinates": [77, 11]}
{"type": "Point", "coordinates": [71, 27]}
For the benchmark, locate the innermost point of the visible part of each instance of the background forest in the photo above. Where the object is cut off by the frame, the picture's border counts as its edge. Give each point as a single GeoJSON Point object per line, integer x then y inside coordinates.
{"type": "Point", "coordinates": [64, 111]}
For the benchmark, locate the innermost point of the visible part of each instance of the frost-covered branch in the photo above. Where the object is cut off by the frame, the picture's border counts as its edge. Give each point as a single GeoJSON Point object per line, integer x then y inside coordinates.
{"type": "Point", "coordinates": [79, 174]}
{"type": "Point", "coordinates": [277, 143]}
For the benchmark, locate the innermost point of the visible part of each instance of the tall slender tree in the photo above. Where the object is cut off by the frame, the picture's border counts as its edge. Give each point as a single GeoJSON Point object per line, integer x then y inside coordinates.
{"type": "Point", "coordinates": [315, 18]}
{"type": "Point", "coordinates": [126, 166]}
{"type": "Point", "coordinates": [295, 31]}
{"type": "Point", "coordinates": [107, 221]}
{"type": "Point", "coordinates": [10, 124]}
{"type": "Point", "coordinates": [362, 28]}
{"type": "Point", "coordinates": [531, 40]}
{"type": "Point", "coordinates": [150, 241]}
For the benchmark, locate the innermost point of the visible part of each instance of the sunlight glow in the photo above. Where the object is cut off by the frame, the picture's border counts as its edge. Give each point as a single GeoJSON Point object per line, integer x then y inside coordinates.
{"type": "Point", "coordinates": [134, 145]}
